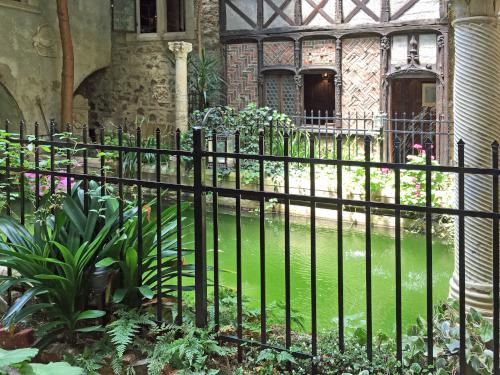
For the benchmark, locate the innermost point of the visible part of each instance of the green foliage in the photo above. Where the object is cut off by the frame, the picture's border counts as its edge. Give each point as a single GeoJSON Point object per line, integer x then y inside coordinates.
{"type": "Point", "coordinates": [268, 361]}
{"type": "Point", "coordinates": [123, 253]}
{"type": "Point", "coordinates": [123, 330]}
{"type": "Point", "coordinates": [18, 362]}
{"type": "Point", "coordinates": [204, 79]}
{"type": "Point", "coordinates": [52, 261]}
{"type": "Point", "coordinates": [413, 184]}
{"type": "Point", "coordinates": [190, 353]}
{"type": "Point", "coordinates": [447, 340]}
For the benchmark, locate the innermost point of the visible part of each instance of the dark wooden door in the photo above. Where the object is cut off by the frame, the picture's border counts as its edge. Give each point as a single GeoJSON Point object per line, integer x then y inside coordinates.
{"type": "Point", "coordinates": [406, 96]}
{"type": "Point", "coordinates": [319, 93]}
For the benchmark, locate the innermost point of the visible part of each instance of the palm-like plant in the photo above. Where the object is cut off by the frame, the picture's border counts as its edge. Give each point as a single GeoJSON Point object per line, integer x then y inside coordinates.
{"type": "Point", "coordinates": [51, 272]}
{"type": "Point", "coordinates": [124, 254]}
{"type": "Point", "coordinates": [52, 263]}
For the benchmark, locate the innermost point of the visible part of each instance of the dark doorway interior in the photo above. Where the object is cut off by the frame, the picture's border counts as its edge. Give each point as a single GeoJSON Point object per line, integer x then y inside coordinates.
{"type": "Point", "coordinates": [148, 16]}
{"type": "Point", "coordinates": [175, 16]}
{"type": "Point", "coordinates": [412, 96]}
{"type": "Point", "coordinates": [319, 93]}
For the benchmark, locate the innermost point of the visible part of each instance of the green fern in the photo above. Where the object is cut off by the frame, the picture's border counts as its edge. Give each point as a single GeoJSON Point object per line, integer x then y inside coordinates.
{"type": "Point", "coordinates": [123, 330]}
{"type": "Point", "coordinates": [189, 353]}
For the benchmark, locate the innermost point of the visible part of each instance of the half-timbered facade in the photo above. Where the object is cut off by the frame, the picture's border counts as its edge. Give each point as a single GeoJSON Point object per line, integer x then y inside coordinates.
{"type": "Point", "coordinates": [340, 56]}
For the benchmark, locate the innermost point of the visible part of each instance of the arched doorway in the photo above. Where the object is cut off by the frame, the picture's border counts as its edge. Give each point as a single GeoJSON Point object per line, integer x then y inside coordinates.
{"type": "Point", "coordinates": [9, 110]}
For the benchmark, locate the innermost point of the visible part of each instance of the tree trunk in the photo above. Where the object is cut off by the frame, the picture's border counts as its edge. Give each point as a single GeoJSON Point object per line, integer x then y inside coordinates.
{"type": "Point", "coordinates": [68, 68]}
{"type": "Point", "coordinates": [198, 27]}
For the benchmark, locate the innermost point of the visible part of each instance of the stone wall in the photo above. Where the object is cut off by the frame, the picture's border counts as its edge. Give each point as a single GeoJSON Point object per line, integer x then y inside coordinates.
{"type": "Point", "coordinates": [138, 89]}
{"type": "Point", "coordinates": [242, 74]}
{"type": "Point", "coordinates": [360, 75]}
{"type": "Point", "coordinates": [30, 61]}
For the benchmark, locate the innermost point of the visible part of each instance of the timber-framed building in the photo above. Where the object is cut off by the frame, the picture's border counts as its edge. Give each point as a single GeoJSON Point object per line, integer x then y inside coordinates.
{"type": "Point", "coordinates": [340, 56]}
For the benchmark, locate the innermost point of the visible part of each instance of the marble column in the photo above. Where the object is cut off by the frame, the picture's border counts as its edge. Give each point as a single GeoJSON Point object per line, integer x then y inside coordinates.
{"type": "Point", "coordinates": [181, 51]}
{"type": "Point", "coordinates": [477, 123]}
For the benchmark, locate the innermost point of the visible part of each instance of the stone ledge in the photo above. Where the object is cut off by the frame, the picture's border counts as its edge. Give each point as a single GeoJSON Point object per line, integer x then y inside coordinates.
{"type": "Point", "coordinates": [26, 7]}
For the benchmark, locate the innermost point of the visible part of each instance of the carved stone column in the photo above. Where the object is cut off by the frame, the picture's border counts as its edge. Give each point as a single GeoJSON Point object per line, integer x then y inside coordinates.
{"type": "Point", "coordinates": [181, 51]}
{"type": "Point", "coordinates": [477, 110]}
{"type": "Point", "coordinates": [338, 82]}
{"type": "Point", "coordinates": [385, 45]}
{"type": "Point", "coordinates": [338, 11]}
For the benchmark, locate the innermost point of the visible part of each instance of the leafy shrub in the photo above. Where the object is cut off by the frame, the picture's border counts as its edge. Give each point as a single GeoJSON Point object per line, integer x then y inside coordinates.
{"type": "Point", "coordinates": [18, 362]}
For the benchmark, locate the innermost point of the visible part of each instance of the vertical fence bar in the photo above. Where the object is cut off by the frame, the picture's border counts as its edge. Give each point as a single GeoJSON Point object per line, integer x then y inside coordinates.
{"type": "Point", "coordinates": [262, 229]}
{"type": "Point", "coordinates": [102, 162]}
{"type": "Point", "coordinates": [68, 161]}
{"type": "Point", "coordinates": [179, 227]}
{"type": "Point", "coordinates": [7, 196]}
{"type": "Point", "coordinates": [397, 243]}
{"type": "Point", "coordinates": [52, 158]}
{"type": "Point", "coordinates": [461, 255]}
{"type": "Point", "coordinates": [215, 224]}
{"type": "Point", "coordinates": [340, 244]}
{"type": "Point", "coordinates": [288, 315]}
{"type": "Point", "coordinates": [138, 144]}
{"type": "Point", "coordinates": [121, 204]}
{"type": "Point", "coordinates": [21, 176]}
{"type": "Point", "coordinates": [159, 258]}
{"type": "Point", "coordinates": [200, 228]}
{"type": "Point", "coordinates": [428, 251]}
{"type": "Point", "coordinates": [314, 321]}
{"type": "Point", "coordinates": [37, 166]}
{"type": "Point", "coordinates": [368, 245]}
{"type": "Point", "coordinates": [8, 210]}
{"type": "Point", "coordinates": [85, 172]}
{"type": "Point", "coordinates": [496, 259]}
{"type": "Point", "coordinates": [239, 302]}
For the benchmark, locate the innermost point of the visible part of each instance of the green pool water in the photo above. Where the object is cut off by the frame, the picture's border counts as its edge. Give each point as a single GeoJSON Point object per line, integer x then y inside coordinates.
{"type": "Point", "coordinates": [383, 270]}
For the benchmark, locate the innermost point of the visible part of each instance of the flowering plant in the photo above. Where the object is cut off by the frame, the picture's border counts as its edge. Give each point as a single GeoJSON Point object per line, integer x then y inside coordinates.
{"type": "Point", "coordinates": [61, 183]}
{"type": "Point", "coordinates": [413, 183]}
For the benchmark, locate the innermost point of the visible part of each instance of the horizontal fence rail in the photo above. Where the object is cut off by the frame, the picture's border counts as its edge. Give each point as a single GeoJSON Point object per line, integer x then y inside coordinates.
{"type": "Point", "coordinates": [206, 150]}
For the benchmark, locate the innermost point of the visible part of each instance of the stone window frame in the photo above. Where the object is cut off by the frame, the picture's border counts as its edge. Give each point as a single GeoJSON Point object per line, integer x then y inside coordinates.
{"type": "Point", "coordinates": [161, 33]}
{"type": "Point", "coordinates": [31, 6]}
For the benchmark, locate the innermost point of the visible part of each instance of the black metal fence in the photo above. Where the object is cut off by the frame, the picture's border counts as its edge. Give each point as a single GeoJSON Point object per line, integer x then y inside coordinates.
{"type": "Point", "coordinates": [199, 188]}
{"type": "Point", "coordinates": [412, 131]}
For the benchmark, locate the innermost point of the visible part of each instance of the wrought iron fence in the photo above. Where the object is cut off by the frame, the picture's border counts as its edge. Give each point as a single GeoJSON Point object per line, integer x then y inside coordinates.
{"type": "Point", "coordinates": [197, 190]}
{"type": "Point", "coordinates": [412, 131]}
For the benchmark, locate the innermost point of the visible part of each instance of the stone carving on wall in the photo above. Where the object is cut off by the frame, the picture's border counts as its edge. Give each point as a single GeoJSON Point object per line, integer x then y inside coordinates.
{"type": "Point", "coordinates": [161, 94]}
{"type": "Point", "coordinates": [45, 41]}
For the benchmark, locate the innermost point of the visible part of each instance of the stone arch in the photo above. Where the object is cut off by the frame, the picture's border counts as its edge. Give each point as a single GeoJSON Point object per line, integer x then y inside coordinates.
{"type": "Point", "coordinates": [9, 109]}
{"type": "Point", "coordinates": [92, 100]}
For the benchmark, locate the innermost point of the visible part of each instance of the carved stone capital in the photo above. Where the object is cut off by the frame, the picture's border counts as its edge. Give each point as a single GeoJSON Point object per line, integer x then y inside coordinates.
{"type": "Point", "coordinates": [298, 80]}
{"type": "Point", "coordinates": [338, 81]}
{"type": "Point", "coordinates": [440, 41]}
{"type": "Point", "coordinates": [181, 50]}
{"type": "Point", "coordinates": [261, 79]}
{"type": "Point", "coordinates": [385, 43]}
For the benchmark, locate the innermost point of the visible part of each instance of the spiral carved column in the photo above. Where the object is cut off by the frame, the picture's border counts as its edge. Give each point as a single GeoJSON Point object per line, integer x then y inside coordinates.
{"type": "Point", "coordinates": [477, 123]}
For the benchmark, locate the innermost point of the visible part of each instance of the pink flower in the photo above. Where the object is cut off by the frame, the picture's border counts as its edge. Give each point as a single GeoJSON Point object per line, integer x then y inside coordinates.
{"type": "Point", "coordinates": [385, 170]}
{"type": "Point", "coordinates": [417, 146]}
{"type": "Point", "coordinates": [418, 194]}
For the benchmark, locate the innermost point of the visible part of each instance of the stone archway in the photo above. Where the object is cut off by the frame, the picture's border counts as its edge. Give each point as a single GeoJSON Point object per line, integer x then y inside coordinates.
{"type": "Point", "coordinates": [9, 109]}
